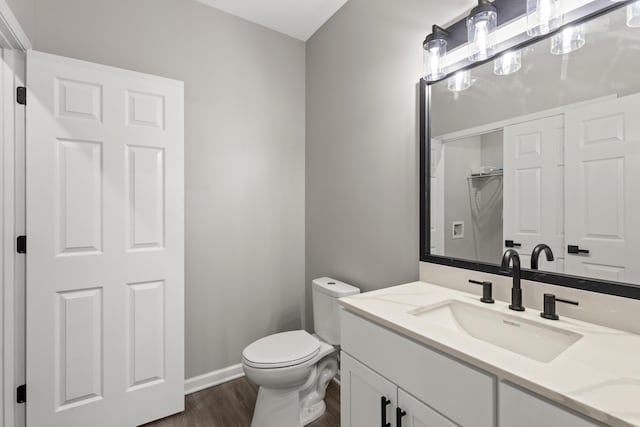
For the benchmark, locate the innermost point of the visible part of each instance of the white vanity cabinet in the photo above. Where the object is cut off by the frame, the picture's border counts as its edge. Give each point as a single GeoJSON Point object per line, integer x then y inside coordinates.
{"type": "Point", "coordinates": [520, 408]}
{"type": "Point", "coordinates": [369, 400]}
{"type": "Point", "coordinates": [430, 387]}
{"type": "Point", "coordinates": [443, 389]}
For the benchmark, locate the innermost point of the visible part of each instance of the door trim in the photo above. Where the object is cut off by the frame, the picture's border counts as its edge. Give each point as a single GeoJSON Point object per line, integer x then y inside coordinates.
{"type": "Point", "coordinates": [12, 37]}
{"type": "Point", "coordinates": [12, 222]}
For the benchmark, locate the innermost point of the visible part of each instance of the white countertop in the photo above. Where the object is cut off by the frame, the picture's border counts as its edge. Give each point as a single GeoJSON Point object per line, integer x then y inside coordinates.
{"type": "Point", "coordinates": [598, 376]}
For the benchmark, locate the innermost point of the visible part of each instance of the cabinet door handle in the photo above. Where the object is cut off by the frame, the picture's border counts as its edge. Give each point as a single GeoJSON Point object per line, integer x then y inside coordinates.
{"type": "Point", "coordinates": [384, 402]}
{"type": "Point", "coordinates": [399, 415]}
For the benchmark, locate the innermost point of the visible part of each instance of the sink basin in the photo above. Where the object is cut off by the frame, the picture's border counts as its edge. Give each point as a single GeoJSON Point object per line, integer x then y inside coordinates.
{"type": "Point", "coordinates": [534, 340]}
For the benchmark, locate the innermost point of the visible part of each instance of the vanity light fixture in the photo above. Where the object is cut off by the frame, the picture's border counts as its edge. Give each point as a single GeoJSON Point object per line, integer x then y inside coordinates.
{"type": "Point", "coordinates": [568, 40]}
{"type": "Point", "coordinates": [508, 63]}
{"type": "Point", "coordinates": [481, 25]}
{"type": "Point", "coordinates": [459, 81]}
{"type": "Point", "coordinates": [543, 16]}
{"type": "Point", "coordinates": [435, 50]}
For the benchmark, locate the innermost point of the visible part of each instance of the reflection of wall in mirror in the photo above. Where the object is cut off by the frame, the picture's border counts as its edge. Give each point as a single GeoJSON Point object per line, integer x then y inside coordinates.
{"type": "Point", "coordinates": [476, 202]}
{"type": "Point", "coordinates": [606, 65]}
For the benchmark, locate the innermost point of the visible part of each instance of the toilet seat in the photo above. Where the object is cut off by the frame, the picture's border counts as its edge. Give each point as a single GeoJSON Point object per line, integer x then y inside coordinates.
{"type": "Point", "coordinates": [281, 350]}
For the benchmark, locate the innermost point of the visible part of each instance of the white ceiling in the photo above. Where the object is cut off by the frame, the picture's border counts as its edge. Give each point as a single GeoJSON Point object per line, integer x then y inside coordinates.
{"type": "Point", "coordinates": [295, 18]}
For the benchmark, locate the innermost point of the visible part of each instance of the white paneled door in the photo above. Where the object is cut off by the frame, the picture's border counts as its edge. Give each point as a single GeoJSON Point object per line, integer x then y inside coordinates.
{"type": "Point", "coordinates": [534, 188]}
{"type": "Point", "coordinates": [603, 201]}
{"type": "Point", "coordinates": [105, 262]}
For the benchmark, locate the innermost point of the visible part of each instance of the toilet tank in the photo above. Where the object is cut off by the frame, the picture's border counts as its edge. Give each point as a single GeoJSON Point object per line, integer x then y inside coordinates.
{"type": "Point", "coordinates": [326, 310]}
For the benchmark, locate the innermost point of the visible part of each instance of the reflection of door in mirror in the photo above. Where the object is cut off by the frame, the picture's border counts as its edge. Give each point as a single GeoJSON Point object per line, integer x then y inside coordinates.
{"type": "Point", "coordinates": [603, 199]}
{"type": "Point", "coordinates": [534, 188]}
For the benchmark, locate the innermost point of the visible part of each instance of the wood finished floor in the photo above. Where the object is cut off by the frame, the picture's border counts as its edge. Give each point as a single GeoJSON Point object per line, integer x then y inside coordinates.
{"type": "Point", "coordinates": [231, 405]}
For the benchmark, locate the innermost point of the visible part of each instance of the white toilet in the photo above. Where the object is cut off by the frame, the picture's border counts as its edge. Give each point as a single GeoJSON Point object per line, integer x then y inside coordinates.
{"type": "Point", "coordinates": [294, 368]}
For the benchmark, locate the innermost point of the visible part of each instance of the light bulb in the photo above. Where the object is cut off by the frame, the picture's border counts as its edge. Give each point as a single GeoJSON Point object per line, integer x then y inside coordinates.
{"type": "Point", "coordinates": [459, 81]}
{"type": "Point", "coordinates": [508, 63]}
{"type": "Point", "coordinates": [568, 40]}
{"type": "Point", "coordinates": [434, 53]}
{"type": "Point", "coordinates": [482, 37]}
{"type": "Point", "coordinates": [633, 15]}
{"type": "Point", "coordinates": [543, 16]}
{"type": "Point", "coordinates": [481, 25]}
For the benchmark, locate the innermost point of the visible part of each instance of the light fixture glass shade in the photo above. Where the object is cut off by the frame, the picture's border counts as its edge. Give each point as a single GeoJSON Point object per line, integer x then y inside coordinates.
{"type": "Point", "coordinates": [481, 26]}
{"type": "Point", "coordinates": [459, 81]}
{"type": "Point", "coordinates": [568, 40]}
{"type": "Point", "coordinates": [543, 16]}
{"type": "Point", "coordinates": [509, 63]}
{"type": "Point", "coordinates": [434, 55]}
{"type": "Point", "coordinates": [633, 15]}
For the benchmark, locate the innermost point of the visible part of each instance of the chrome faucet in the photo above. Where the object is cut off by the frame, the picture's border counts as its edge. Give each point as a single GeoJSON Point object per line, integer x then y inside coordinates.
{"type": "Point", "coordinates": [512, 257]}
{"type": "Point", "coordinates": [535, 255]}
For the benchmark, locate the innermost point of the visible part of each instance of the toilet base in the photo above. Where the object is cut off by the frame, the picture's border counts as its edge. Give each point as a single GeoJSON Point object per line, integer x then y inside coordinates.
{"type": "Point", "coordinates": [311, 414]}
{"type": "Point", "coordinates": [299, 406]}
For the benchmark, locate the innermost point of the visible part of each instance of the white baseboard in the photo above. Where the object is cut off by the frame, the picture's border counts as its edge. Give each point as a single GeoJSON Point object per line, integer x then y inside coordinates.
{"type": "Point", "coordinates": [212, 379]}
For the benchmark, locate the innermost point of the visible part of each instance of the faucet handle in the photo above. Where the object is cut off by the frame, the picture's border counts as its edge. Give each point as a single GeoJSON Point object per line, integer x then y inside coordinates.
{"type": "Point", "coordinates": [487, 291]}
{"type": "Point", "coordinates": [550, 306]}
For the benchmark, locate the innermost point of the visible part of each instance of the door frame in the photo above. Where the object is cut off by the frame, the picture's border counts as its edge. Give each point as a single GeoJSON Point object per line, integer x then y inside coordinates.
{"type": "Point", "coordinates": [13, 42]}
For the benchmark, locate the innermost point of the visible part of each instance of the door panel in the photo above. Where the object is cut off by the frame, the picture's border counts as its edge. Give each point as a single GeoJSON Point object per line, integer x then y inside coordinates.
{"type": "Point", "coordinates": [603, 167]}
{"type": "Point", "coordinates": [145, 197]}
{"type": "Point", "coordinates": [534, 188]}
{"type": "Point", "coordinates": [145, 334]}
{"type": "Point", "coordinates": [79, 339]}
{"type": "Point", "coordinates": [105, 269]}
{"type": "Point", "coordinates": [79, 197]}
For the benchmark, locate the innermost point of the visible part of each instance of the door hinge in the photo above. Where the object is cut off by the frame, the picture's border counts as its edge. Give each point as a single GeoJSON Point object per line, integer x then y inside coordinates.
{"type": "Point", "coordinates": [21, 394]}
{"type": "Point", "coordinates": [21, 244]}
{"type": "Point", "coordinates": [21, 95]}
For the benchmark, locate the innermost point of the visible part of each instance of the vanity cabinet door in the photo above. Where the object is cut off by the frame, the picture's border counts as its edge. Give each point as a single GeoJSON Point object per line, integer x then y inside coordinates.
{"type": "Point", "coordinates": [418, 414]}
{"type": "Point", "coordinates": [517, 408]}
{"type": "Point", "coordinates": [361, 394]}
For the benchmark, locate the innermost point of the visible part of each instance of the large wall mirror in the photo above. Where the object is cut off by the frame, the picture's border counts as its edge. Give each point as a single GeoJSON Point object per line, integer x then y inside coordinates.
{"type": "Point", "coordinates": [542, 147]}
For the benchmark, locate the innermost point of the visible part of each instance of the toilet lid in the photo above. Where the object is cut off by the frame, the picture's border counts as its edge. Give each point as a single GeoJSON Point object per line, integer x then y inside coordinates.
{"type": "Point", "coordinates": [282, 350]}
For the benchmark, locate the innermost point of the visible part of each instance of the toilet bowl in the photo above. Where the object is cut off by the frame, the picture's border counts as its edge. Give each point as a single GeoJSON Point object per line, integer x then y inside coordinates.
{"type": "Point", "coordinates": [293, 369]}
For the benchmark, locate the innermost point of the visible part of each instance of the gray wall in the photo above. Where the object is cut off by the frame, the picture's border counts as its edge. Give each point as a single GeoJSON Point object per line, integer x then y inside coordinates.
{"type": "Point", "coordinates": [459, 158]}
{"type": "Point", "coordinates": [491, 222]}
{"type": "Point", "coordinates": [477, 202]}
{"type": "Point", "coordinates": [244, 155]}
{"type": "Point", "coordinates": [363, 67]}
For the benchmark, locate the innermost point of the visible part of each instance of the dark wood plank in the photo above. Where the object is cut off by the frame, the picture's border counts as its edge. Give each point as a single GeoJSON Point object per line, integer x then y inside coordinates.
{"type": "Point", "coordinates": [231, 405]}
